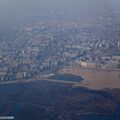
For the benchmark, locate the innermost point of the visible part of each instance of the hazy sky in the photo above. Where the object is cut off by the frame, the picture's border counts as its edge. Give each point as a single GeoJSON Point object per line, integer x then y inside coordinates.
{"type": "Point", "coordinates": [20, 8]}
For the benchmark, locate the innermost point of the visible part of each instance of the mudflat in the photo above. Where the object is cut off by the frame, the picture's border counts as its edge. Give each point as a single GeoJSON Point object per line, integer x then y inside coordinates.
{"type": "Point", "coordinates": [95, 78]}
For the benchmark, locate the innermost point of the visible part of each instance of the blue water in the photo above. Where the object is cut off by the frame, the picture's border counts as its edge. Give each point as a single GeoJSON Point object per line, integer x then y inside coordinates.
{"type": "Point", "coordinates": [67, 77]}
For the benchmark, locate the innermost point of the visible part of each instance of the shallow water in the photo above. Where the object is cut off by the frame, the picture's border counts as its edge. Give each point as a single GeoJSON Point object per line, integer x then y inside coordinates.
{"type": "Point", "coordinates": [67, 77]}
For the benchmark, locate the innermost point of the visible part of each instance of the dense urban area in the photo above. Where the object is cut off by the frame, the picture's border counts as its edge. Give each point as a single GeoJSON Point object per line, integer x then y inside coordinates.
{"type": "Point", "coordinates": [29, 49]}
{"type": "Point", "coordinates": [61, 69]}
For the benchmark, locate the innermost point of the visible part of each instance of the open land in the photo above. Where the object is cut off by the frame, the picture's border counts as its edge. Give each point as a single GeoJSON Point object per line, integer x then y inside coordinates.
{"type": "Point", "coordinates": [95, 78]}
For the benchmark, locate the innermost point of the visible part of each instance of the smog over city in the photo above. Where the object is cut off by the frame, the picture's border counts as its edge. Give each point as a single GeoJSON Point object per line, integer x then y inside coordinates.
{"type": "Point", "coordinates": [59, 59]}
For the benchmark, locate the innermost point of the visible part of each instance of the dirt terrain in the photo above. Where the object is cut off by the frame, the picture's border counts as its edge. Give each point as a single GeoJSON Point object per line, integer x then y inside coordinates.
{"type": "Point", "coordinates": [95, 78]}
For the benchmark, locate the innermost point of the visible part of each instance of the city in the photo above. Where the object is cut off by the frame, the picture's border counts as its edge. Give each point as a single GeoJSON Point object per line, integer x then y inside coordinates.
{"type": "Point", "coordinates": [60, 60]}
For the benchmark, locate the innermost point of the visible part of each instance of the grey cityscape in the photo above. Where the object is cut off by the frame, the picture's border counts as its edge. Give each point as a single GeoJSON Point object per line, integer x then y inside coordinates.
{"type": "Point", "coordinates": [59, 60]}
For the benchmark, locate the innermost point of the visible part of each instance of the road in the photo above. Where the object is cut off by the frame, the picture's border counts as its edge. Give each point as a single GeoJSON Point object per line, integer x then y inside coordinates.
{"type": "Point", "coordinates": [40, 79]}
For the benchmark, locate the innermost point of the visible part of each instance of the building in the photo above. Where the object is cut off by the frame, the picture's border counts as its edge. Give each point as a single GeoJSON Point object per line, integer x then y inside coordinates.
{"type": "Point", "coordinates": [112, 64]}
{"type": "Point", "coordinates": [116, 56]}
{"type": "Point", "coordinates": [88, 64]}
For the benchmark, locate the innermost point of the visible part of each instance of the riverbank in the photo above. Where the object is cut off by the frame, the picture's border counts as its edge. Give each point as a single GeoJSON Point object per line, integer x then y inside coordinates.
{"type": "Point", "coordinates": [95, 78]}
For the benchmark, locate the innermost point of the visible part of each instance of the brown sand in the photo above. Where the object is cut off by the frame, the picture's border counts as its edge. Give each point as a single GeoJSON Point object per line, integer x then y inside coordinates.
{"type": "Point", "coordinates": [95, 79]}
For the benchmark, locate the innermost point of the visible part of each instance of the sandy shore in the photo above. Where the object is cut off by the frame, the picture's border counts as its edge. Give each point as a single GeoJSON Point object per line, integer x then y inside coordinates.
{"type": "Point", "coordinates": [95, 78]}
